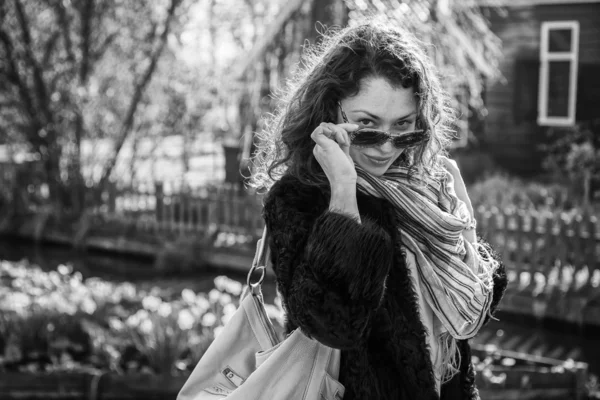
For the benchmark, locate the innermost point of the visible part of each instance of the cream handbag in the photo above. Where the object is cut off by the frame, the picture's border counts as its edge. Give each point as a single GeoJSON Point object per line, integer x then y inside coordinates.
{"type": "Point", "coordinates": [246, 361]}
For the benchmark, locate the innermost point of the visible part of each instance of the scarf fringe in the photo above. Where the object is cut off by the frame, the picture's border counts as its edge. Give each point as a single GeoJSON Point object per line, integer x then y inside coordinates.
{"type": "Point", "coordinates": [451, 357]}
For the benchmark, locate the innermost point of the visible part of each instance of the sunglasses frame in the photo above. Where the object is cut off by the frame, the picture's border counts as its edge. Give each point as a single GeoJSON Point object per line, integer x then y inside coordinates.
{"type": "Point", "coordinates": [388, 135]}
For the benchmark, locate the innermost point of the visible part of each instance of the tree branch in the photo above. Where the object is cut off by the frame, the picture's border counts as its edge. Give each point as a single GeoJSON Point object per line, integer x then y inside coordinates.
{"type": "Point", "coordinates": [272, 31]}
{"type": "Point", "coordinates": [86, 13]}
{"type": "Point", "coordinates": [65, 24]}
{"type": "Point", "coordinates": [14, 76]}
{"type": "Point", "coordinates": [49, 47]}
{"type": "Point", "coordinates": [38, 79]}
{"type": "Point", "coordinates": [99, 51]}
{"type": "Point", "coordinates": [137, 95]}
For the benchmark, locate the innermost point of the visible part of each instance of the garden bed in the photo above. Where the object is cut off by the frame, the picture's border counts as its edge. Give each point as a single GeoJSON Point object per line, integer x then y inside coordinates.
{"type": "Point", "coordinates": [495, 382]}
{"type": "Point", "coordinates": [505, 375]}
{"type": "Point", "coordinates": [65, 338]}
{"type": "Point", "coordinates": [79, 385]}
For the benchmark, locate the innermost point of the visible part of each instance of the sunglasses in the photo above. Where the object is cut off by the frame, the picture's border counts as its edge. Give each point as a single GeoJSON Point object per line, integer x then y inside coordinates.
{"type": "Point", "coordinates": [368, 137]}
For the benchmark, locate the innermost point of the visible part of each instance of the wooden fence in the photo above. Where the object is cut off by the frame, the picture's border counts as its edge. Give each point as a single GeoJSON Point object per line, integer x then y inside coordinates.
{"type": "Point", "coordinates": [552, 260]}
{"type": "Point", "coordinates": [532, 241]}
{"type": "Point", "coordinates": [227, 208]}
{"type": "Point", "coordinates": [528, 241]}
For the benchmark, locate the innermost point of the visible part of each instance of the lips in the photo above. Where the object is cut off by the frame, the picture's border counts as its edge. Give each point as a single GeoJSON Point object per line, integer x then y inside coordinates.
{"type": "Point", "coordinates": [378, 159]}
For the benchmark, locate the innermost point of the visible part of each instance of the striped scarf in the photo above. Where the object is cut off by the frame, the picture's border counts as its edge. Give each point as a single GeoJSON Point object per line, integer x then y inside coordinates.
{"type": "Point", "coordinates": [455, 277]}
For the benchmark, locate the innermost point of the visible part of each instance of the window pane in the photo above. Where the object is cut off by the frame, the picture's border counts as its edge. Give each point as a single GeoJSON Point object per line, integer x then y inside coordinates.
{"type": "Point", "coordinates": [558, 88]}
{"type": "Point", "coordinates": [559, 40]}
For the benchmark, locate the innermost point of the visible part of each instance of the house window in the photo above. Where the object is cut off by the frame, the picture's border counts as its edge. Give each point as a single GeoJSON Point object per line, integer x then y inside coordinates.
{"type": "Point", "coordinates": [559, 52]}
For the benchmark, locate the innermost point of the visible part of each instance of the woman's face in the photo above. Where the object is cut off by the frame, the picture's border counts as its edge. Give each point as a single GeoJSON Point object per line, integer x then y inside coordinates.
{"type": "Point", "coordinates": [380, 106]}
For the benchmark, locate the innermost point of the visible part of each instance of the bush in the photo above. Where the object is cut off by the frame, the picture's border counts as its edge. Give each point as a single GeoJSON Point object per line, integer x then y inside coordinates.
{"type": "Point", "coordinates": [507, 192]}
{"type": "Point", "coordinates": [57, 321]}
{"type": "Point", "coordinates": [573, 155]}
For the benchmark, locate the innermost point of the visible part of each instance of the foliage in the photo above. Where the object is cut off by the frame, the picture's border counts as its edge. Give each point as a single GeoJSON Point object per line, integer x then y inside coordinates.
{"type": "Point", "coordinates": [573, 156]}
{"type": "Point", "coordinates": [507, 192]}
{"type": "Point", "coordinates": [83, 83]}
{"type": "Point", "coordinates": [57, 321]}
{"type": "Point", "coordinates": [72, 71]}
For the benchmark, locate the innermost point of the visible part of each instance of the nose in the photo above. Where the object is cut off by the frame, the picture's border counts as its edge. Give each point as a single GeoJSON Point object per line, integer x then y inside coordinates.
{"type": "Point", "coordinates": [386, 148]}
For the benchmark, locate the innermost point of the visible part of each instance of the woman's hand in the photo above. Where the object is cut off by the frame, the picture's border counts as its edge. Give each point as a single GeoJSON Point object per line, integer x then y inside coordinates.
{"type": "Point", "coordinates": [332, 151]}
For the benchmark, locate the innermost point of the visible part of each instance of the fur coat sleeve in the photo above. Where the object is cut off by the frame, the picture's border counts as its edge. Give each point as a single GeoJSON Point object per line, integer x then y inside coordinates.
{"type": "Point", "coordinates": [340, 263]}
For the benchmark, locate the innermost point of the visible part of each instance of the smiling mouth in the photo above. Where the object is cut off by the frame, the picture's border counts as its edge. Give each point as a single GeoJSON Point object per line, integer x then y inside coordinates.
{"type": "Point", "coordinates": [378, 160]}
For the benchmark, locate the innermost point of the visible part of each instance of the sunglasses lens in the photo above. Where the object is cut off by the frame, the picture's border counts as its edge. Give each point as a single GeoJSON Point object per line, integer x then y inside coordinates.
{"type": "Point", "coordinates": [412, 139]}
{"type": "Point", "coordinates": [369, 137]}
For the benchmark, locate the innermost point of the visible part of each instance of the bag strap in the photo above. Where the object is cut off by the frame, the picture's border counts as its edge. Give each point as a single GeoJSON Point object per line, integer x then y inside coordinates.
{"type": "Point", "coordinates": [261, 259]}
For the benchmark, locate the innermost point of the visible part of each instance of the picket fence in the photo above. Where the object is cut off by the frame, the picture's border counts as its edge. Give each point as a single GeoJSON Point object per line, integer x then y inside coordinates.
{"type": "Point", "coordinates": [527, 240]}
{"type": "Point", "coordinates": [224, 208]}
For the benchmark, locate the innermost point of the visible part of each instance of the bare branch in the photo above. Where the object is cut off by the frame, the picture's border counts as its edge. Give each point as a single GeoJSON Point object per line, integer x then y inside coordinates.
{"type": "Point", "coordinates": [14, 77]}
{"type": "Point", "coordinates": [99, 51]}
{"type": "Point", "coordinates": [87, 13]}
{"type": "Point", "coordinates": [137, 95]}
{"type": "Point", "coordinates": [38, 79]}
{"type": "Point", "coordinates": [271, 33]}
{"type": "Point", "coordinates": [49, 48]}
{"type": "Point", "coordinates": [65, 24]}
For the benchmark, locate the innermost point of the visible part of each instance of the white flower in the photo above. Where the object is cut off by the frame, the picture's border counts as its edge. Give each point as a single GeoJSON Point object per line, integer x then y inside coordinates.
{"type": "Point", "coordinates": [202, 303]}
{"type": "Point", "coordinates": [235, 288]}
{"type": "Point", "coordinates": [18, 301]}
{"type": "Point", "coordinates": [146, 326]}
{"type": "Point", "coordinates": [224, 299]}
{"type": "Point", "coordinates": [164, 310]}
{"type": "Point", "coordinates": [209, 319]}
{"type": "Point", "coordinates": [229, 309]}
{"type": "Point", "coordinates": [64, 269]}
{"type": "Point", "coordinates": [142, 314]}
{"type": "Point", "coordinates": [225, 318]}
{"type": "Point", "coordinates": [226, 284]}
{"type": "Point", "coordinates": [88, 305]}
{"type": "Point", "coordinates": [220, 282]}
{"type": "Point", "coordinates": [214, 295]}
{"type": "Point", "coordinates": [133, 320]}
{"type": "Point", "coordinates": [188, 296]}
{"type": "Point", "coordinates": [185, 320]}
{"type": "Point", "coordinates": [151, 303]}
{"type": "Point", "coordinates": [115, 324]}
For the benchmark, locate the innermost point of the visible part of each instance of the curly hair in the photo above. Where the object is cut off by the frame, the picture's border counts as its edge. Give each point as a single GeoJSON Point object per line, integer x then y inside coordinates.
{"type": "Point", "coordinates": [334, 71]}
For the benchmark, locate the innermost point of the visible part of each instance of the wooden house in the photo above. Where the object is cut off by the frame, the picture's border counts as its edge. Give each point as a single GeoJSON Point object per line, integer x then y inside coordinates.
{"type": "Point", "coordinates": [551, 69]}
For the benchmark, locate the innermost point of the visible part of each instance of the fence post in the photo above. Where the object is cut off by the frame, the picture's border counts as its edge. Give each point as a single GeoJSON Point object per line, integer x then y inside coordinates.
{"type": "Point", "coordinates": [159, 202]}
{"type": "Point", "coordinates": [593, 258]}
{"type": "Point", "coordinates": [534, 254]}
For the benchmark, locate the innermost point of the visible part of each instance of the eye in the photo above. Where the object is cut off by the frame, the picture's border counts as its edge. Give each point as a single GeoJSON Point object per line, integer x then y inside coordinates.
{"type": "Point", "coordinates": [403, 124]}
{"type": "Point", "coordinates": [365, 121]}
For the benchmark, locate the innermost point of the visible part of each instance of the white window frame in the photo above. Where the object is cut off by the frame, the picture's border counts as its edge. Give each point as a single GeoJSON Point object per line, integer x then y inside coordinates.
{"type": "Point", "coordinates": [545, 58]}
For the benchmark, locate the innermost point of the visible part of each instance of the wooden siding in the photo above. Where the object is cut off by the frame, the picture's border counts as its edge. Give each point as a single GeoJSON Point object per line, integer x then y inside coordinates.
{"type": "Point", "coordinates": [511, 132]}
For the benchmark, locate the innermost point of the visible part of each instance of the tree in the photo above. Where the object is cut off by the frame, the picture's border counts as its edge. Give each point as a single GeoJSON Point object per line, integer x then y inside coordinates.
{"type": "Point", "coordinates": [75, 70]}
{"type": "Point", "coordinates": [573, 156]}
{"type": "Point", "coordinates": [457, 36]}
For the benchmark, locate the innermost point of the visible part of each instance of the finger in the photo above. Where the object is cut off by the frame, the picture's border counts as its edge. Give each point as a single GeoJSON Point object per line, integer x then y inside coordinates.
{"type": "Point", "coordinates": [346, 136]}
{"type": "Point", "coordinates": [348, 127]}
{"type": "Point", "coordinates": [320, 137]}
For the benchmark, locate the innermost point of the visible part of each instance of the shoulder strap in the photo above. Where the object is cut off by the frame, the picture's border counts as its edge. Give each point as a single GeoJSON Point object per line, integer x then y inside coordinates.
{"type": "Point", "coordinates": [261, 259]}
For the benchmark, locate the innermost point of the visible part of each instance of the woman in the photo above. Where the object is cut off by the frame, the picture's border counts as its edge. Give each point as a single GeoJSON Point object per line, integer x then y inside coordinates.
{"type": "Point", "coordinates": [372, 232]}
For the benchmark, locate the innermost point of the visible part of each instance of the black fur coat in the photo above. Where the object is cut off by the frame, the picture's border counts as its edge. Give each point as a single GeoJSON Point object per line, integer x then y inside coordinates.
{"type": "Point", "coordinates": [346, 284]}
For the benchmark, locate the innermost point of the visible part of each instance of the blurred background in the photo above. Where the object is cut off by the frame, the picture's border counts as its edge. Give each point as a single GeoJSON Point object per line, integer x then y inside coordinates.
{"type": "Point", "coordinates": [127, 228]}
